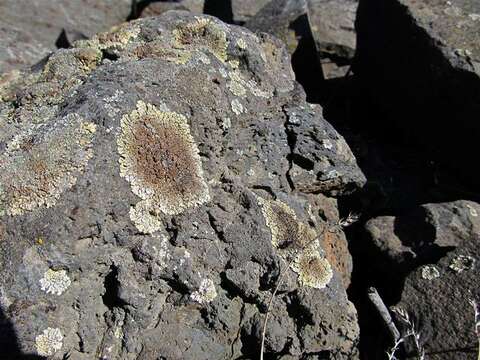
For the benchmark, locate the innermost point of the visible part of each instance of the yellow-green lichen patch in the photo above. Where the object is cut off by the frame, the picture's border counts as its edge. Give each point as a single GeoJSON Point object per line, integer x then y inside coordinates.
{"type": "Point", "coordinates": [7, 82]}
{"type": "Point", "coordinates": [202, 33]}
{"type": "Point", "coordinates": [295, 240]}
{"type": "Point", "coordinates": [157, 49]}
{"type": "Point", "coordinates": [160, 160]}
{"type": "Point", "coordinates": [117, 37]}
{"type": "Point", "coordinates": [38, 166]}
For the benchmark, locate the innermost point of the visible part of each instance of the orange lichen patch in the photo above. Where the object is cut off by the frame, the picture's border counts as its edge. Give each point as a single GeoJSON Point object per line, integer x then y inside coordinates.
{"type": "Point", "coordinates": [202, 33]}
{"type": "Point", "coordinates": [336, 252]}
{"type": "Point", "coordinates": [38, 166]}
{"type": "Point", "coordinates": [160, 160]}
{"type": "Point", "coordinates": [296, 240]}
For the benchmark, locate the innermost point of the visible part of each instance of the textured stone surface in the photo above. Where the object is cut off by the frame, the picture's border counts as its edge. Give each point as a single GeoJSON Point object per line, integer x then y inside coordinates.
{"type": "Point", "coordinates": [440, 303]}
{"type": "Point", "coordinates": [243, 10]}
{"type": "Point", "coordinates": [172, 135]}
{"type": "Point", "coordinates": [29, 29]}
{"type": "Point", "coordinates": [420, 62]}
{"type": "Point", "coordinates": [159, 7]}
{"type": "Point", "coordinates": [333, 27]}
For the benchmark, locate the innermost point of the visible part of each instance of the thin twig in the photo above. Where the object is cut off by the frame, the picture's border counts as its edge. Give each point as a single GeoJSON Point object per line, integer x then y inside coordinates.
{"type": "Point", "coordinates": [384, 313]}
{"type": "Point", "coordinates": [476, 309]}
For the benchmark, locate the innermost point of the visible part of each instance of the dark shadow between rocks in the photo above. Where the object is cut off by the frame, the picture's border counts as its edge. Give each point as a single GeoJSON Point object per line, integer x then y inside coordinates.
{"type": "Point", "coordinates": [221, 9]}
{"type": "Point", "coordinates": [9, 347]}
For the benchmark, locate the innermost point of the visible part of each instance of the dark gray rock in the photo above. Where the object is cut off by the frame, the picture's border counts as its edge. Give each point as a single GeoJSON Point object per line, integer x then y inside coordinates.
{"type": "Point", "coordinates": [420, 62]}
{"type": "Point", "coordinates": [29, 29]}
{"type": "Point", "coordinates": [244, 10]}
{"type": "Point", "coordinates": [437, 295]}
{"type": "Point", "coordinates": [159, 7]}
{"type": "Point", "coordinates": [153, 182]}
{"type": "Point", "coordinates": [288, 21]}
{"type": "Point", "coordinates": [333, 27]}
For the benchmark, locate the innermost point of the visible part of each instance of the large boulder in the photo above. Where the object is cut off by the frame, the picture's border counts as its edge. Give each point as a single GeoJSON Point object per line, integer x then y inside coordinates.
{"type": "Point", "coordinates": [420, 61]}
{"type": "Point", "coordinates": [29, 30]}
{"type": "Point", "coordinates": [154, 182]}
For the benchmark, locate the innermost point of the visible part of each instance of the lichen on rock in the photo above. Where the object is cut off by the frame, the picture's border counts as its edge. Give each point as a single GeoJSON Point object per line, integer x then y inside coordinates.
{"type": "Point", "coordinates": [202, 33]}
{"type": "Point", "coordinates": [40, 165]}
{"type": "Point", "coordinates": [295, 241]}
{"type": "Point", "coordinates": [49, 342]}
{"type": "Point", "coordinates": [160, 160]}
{"type": "Point", "coordinates": [55, 281]}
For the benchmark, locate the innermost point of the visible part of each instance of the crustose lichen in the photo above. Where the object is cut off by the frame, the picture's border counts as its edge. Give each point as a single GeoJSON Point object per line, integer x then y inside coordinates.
{"type": "Point", "coordinates": [160, 160]}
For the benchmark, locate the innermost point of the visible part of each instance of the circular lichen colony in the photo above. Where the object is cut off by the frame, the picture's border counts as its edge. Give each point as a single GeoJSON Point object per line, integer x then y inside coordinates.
{"type": "Point", "coordinates": [38, 166]}
{"type": "Point", "coordinates": [160, 160]}
{"type": "Point", "coordinates": [295, 240]}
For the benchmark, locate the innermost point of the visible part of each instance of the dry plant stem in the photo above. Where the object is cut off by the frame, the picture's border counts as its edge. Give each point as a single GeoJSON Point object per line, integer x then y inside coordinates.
{"type": "Point", "coordinates": [279, 282]}
{"type": "Point", "coordinates": [477, 324]}
{"type": "Point", "coordinates": [377, 301]}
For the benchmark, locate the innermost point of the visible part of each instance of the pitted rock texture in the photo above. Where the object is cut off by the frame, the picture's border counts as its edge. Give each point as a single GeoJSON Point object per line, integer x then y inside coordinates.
{"type": "Point", "coordinates": [440, 303]}
{"type": "Point", "coordinates": [29, 29]}
{"type": "Point", "coordinates": [156, 245]}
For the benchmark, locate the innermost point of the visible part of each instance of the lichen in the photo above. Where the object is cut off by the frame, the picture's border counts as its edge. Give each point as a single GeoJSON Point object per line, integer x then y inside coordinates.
{"type": "Point", "coordinates": [160, 160]}
{"type": "Point", "coordinates": [205, 293]}
{"type": "Point", "coordinates": [313, 270]}
{"type": "Point", "coordinates": [157, 49]}
{"type": "Point", "coordinates": [39, 166]}
{"type": "Point", "coordinates": [202, 33]}
{"type": "Point", "coordinates": [238, 86]}
{"type": "Point", "coordinates": [55, 281]}
{"type": "Point", "coordinates": [430, 272]}
{"type": "Point", "coordinates": [462, 263]}
{"type": "Point", "coordinates": [49, 342]}
{"type": "Point", "coordinates": [237, 107]}
{"type": "Point", "coordinates": [117, 37]}
{"type": "Point", "coordinates": [295, 240]}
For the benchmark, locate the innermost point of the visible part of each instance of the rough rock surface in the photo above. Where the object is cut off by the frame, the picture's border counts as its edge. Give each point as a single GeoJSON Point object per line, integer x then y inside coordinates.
{"type": "Point", "coordinates": [422, 236]}
{"type": "Point", "coordinates": [333, 27]}
{"type": "Point", "coordinates": [288, 21]}
{"type": "Point", "coordinates": [154, 181]}
{"type": "Point", "coordinates": [29, 29]}
{"type": "Point", "coordinates": [243, 10]}
{"type": "Point", "coordinates": [159, 7]}
{"type": "Point", "coordinates": [420, 60]}
{"type": "Point", "coordinates": [437, 295]}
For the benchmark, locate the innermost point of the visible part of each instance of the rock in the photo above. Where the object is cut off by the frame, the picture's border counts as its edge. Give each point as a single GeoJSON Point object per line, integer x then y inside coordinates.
{"type": "Point", "coordinates": [159, 7]}
{"type": "Point", "coordinates": [288, 21]}
{"type": "Point", "coordinates": [29, 30]}
{"type": "Point", "coordinates": [244, 10]}
{"type": "Point", "coordinates": [333, 27]}
{"type": "Point", "coordinates": [420, 62]}
{"type": "Point", "coordinates": [437, 295]}
{"type": "Point", "coordinates": [154, 180]}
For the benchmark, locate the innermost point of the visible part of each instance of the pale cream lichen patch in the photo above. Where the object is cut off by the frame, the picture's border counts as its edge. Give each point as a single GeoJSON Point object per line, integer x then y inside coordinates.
{"type": "Point", "coordinates": [160, 160]}
{"type": "Point", "coordinates": [39, 167]}
{"type": "Point", "coordinates": [430, 272]}
{"type": "Point", "coordinates": [313, 270]}
{"type": "Point", "coordinates": [49, 342]}
{"type": "Point", "coordinates": [238, 86]}
{"type": "Point", "coordinates": [295, 240]}
{"type": "Point", "coordinates": [241, 44]}
{"type": "Point", "coordinates": [462, 263]}
{"type": "Point", "coordinates": [55, 281]}
{"type": "Point", "coordinates": [202, 33]}
{"type": "Point", "coordinates": [205, 293]}
{"type": "Point", "coordinates": [237, 107]}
